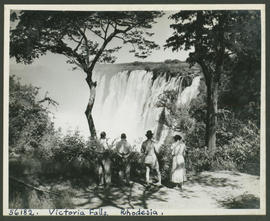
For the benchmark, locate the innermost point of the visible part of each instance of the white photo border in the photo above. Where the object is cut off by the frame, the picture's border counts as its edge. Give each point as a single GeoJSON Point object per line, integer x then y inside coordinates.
{"type": "Point", "coordinates": [145, 7]}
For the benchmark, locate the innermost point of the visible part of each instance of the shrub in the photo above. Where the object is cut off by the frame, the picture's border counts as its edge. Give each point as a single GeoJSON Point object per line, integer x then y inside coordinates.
{"type": "Point", "coordinates": [137, 166]}
{"type": "Point", "coordinates": [244, 149]}
{"type": "Point", "coordinates": [165, 162]}
{"type": "Point", "coordinates": [23, 196]}
{"type": "Point", "coordinates": [136, 63]}
{"type": "Point", "coordinates": [147, 68]}
{"type": "Point", "coordinates": [241, 153]}
{"type": "Point", "coordinates": [245, 201]}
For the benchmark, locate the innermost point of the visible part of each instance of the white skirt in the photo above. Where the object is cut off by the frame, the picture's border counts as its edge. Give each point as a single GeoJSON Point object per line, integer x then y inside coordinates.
{"type": "Point", "coordinates": [178, 172]}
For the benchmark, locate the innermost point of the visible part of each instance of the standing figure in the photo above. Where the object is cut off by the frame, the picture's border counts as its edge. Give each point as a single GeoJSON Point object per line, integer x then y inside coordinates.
{"type": "Point", "coordinates": [150, 159]}
{"type": "Point", "coordinates": [178, 172]}
{"type": "Point", "coordinates": [123, 150]}
{"type": "Point", "coordinates": [105, 162]}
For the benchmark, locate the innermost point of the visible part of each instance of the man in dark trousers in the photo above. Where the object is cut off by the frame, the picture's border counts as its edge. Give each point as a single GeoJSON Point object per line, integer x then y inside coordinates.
{"type": "Point", "coordinates": [150, 157]}
{"type": "Point", "coordinates": [123, 150]}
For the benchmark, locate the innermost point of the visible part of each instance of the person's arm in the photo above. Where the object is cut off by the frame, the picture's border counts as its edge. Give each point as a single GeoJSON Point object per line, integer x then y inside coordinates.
{"type": "Point", "coordinates": [143, 148]}
{"type": "Point", "coordinates": [178, 149]}
{"type": "Point", "coordinates": [155, 150]}
{"type": "Point", "coordinates": [107, 147]}
{"type": "Point", "coordinates": [173, 149]}
{"type": "Point", "coordinates": [129, 151]}
{"type": "Point", "coordinates": [117, 150]}
{"type": "Point", "coordinates": [181, 149]}
{"type": "Point", "coordinates": [184, 150]}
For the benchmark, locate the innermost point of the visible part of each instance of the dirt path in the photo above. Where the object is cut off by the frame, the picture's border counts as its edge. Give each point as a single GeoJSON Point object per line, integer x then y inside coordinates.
{"type": "Point", "coordinates": [208, 190]}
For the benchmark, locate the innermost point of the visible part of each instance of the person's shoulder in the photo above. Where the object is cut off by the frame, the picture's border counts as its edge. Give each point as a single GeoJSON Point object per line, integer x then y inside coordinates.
{"type": "Point", "coordinates": [153, 142]}
{"type": "Point", "coordinates": [182, 144]}
{"type": "Point", "coordinates": [128, 144]}
{"type": "Point", "coordinates": [144, 142]}
{"type": "Point", "coordinates": [175, 145]}
{"type": "Point", "coordinates": [118, 143]}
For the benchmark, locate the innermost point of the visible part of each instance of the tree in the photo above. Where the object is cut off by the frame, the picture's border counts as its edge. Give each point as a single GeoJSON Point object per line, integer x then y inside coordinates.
{"type": "Point", "coordinates": [215, 39]}
{"type": "Point", "coordinates": [240, 87]}
{"type": "Point", "coordinates": [29, 119]}
{"type": "Point", "coordinates": [72, 34]}
{"type": "Point", "coordinates": [31, 132]}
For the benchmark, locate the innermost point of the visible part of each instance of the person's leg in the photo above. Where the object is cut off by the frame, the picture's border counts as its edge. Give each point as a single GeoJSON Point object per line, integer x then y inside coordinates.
{"type": "Point", "coordinates": [107, 172]}
{"type": "Point", "coordinates": [121, 171]}
{"type": "Point", "coordinates": [147, 174]}
{"type": "Point", "coordinates": [100, 175]}
{"type": "Point", "coordinates": [121, 175]}
{"type": "Point", "coordinates": [158, 173]}
{"type": "Point", "coordinates": [180, 185]}
{"type": "Point", "coordinates": [127, 173]}
{"type": "Point", "coordinates": [159, 177]}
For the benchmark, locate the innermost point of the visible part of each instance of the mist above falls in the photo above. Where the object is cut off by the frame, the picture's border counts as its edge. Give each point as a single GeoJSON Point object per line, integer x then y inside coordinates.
{"type": "Point", "coordinates": [126, 102]}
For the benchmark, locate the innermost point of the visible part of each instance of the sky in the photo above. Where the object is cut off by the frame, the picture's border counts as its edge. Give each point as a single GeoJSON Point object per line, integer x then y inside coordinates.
{"type": "Point", "coordinates": [162, 32]}
{"type": "Point", "coordinates": [68, 87]}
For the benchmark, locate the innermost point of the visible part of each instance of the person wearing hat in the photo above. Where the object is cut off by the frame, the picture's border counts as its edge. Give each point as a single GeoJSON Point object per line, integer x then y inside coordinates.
{"type": "Point", "coordinates": [150, 157]}
{"type": "Point", "coordinates": [178, 171]}
{"type": "Point", "coordinates": [123, 150]}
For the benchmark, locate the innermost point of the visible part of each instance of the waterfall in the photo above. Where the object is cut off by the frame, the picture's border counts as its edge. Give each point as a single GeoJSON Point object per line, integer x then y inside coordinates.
{"type": "Point", "coordinates": [126, 102]}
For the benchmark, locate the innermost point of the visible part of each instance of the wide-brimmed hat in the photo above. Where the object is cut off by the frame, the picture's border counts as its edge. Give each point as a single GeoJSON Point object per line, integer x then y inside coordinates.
{"type": "Point", "coordinates": [103, 134]}
{"type": "Point", "coordinates": [149, 133]}
{"type": "Point", "coordinates": [178, 137]}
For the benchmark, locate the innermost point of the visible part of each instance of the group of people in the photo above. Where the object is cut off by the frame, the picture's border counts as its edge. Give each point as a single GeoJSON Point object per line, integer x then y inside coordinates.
{"type": "Point", "coordinates": [148, 149]}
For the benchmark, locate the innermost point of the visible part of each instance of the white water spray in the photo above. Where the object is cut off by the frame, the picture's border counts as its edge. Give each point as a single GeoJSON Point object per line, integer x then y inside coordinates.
{"type": "Point", "coordinates": [126, 102]}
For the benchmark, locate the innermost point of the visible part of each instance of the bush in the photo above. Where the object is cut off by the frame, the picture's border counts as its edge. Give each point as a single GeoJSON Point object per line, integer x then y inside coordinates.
{"type": "Point", "coordinates": [165, 162]}
{"type": "Point", "coordinates": [147, 68]}
{"type": "Point", "coordinates": [137, 63]}
{"type": "Point", "coordinates": [244, 149]}
{"type": "Point", "coordinates": [137, 166]}
{"type": "Point", "coordinates": [198, 160]}
{"type": "Point", "coordinates": [241, 153]}
{"type": "Point", "coordinates": [245, 201]}
{"type": "Point", "coordinates": [22, 196]}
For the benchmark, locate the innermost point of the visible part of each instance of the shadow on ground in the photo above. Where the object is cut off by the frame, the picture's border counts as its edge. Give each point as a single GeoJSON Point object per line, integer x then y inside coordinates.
{"type": "Point", "coordinates": [209, 180]}
{"type": "Point", "coordinates": [120, 196]}
{"type": "Point", "coordinates": [207, 190]}
{"type": "Point", "coordinates": [245, 201]}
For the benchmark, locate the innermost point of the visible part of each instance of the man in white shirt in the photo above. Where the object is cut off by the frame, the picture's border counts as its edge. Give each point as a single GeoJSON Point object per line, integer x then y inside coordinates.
{"type": "Point", "coordinates": [123, 150]}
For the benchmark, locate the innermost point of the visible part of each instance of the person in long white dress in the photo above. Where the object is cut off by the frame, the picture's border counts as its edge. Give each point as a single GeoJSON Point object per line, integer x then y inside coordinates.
{"type": "Point", "coordinates": [178, 172]}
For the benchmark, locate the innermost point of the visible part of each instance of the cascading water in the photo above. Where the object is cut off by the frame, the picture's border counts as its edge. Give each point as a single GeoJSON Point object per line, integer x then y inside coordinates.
{"type": "Point", "coordinates": [126, 102]}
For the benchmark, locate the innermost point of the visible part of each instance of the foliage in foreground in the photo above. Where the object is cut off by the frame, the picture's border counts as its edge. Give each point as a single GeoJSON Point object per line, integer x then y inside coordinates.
{"type": "Point", "coordinates": [245, 201]}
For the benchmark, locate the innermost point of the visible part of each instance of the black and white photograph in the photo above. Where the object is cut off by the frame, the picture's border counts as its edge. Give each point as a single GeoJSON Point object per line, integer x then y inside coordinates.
{"type": "Point", "coordinates": [134, 110]}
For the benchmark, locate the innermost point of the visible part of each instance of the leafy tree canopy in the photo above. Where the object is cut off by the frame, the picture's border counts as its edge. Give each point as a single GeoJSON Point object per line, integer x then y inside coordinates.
{"type": "Point", "coordinates": [81, 36]}
{"type": "Point", "coordinates": [217, 35]}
